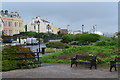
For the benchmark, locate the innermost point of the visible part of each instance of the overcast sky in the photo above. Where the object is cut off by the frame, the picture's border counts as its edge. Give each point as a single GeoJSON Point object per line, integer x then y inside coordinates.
{"type": "Point", "coordinates": [102, 14]}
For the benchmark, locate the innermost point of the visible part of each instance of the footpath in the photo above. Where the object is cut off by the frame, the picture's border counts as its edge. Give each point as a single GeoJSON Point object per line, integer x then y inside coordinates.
{"type": "Point", "coordinates": [48, 70]}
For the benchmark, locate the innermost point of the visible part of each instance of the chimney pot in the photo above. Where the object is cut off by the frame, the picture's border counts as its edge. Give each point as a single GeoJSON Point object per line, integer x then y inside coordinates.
{"type": "Point", "coordinates": [6, 12]}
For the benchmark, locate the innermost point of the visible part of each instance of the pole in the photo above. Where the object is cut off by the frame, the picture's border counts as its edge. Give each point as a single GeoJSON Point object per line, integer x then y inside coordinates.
{"type": "Point", "coordinates": [39, 39]}
{"type": "Point", "coordinates": [67, 26]}
{"type": "Point", "coordinates": [48, 34]}
{"type": "Point", "coordinates": [94, 29]}
{"type": "Point", "coordinates": [82, 28]}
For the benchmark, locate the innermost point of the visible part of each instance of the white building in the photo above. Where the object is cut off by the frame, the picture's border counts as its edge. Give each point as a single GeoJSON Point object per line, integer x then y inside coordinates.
{"type": "Point", "coordinates": [1, 26]}
{"type": "Point", "coordinates": [43, 27]}
{"type": "Point", "coordinates": [74, 32]}
{"type": "Point", "coordinates": [77, 32]}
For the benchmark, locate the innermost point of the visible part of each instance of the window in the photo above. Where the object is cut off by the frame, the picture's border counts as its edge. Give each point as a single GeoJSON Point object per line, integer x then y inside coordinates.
{"type": "Point", "coordinates": [9, 24]}
{"type": "Point", "coordinates": [34, 27]}
{"type": "Point", "coordinates": [10, 32]}
{"type": "Point", "coordinates": [5, 31]}
{"type": "Point", "coordinates": [19, 24]}
{"type": "Point", "coordinates": [15, 24]}
{"type": "Point", "coordinates": [5, 23]}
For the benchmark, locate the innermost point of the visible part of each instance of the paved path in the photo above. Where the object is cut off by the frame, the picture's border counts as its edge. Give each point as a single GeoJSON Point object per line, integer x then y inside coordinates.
{"type": "Point", "coordinates": [48, 70]}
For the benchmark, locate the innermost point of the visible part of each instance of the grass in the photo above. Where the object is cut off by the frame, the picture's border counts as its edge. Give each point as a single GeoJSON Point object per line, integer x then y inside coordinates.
{"type": "Point", "coordinates": [0, 61]}
{"type": "Point", "coordinates": [104, 54]}
{"type": "Point", "coordinates": [52, 50]}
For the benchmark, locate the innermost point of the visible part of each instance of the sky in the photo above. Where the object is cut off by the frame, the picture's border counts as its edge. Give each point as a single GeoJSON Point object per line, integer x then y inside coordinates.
{"type": "Point", "coordinates": [102, 14]}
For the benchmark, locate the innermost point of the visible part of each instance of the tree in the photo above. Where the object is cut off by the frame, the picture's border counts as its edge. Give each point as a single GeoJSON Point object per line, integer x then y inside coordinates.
{"type": "Point", "coordinates": [67, 38]}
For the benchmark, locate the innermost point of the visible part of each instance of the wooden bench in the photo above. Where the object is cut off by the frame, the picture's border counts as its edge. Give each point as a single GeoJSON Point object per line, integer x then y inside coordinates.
{"type": "Point", "coordinates": [114, 63]}
{"type": "Point", "coordinates": [84, 59]}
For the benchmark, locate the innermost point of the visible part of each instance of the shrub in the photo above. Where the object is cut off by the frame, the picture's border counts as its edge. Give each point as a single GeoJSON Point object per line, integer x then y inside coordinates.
{"type": "Point", "coordinates": [9, 65]}
{"type": "Point", "coordinates": [67, 38]}
{"type": "Point", "coordinates": [85, 39]}
{"type": "Point", "coordinates": [74, 43]}
{"type": "Point", "coordinates": [105, 43]}
{"type": "Point", "coordinates": [58, 45]}
{"type": "Point", "coordinates": [104, 38]}
{"type": "Point", "coordinates": [24, 37]}
{"type": "Point", "coordinates": [100, 43]}
{"type": "Point", "coordinates": [14, 64]}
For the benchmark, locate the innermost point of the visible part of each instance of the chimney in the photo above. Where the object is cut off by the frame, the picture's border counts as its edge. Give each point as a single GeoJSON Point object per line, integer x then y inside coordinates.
{"type": "Point", "coordinates": [18, 14]}
{"type": "Point", "coordinates": [2, 12]}
{"type": "Point", "coordinates": [38, 17]}
{"type": "Point", "coordinates": [6, 12]}
{"type": "Point", "coordinates": [11, 12]}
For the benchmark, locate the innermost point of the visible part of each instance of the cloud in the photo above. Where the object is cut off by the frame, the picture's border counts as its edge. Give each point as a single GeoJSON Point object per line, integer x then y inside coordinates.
{"type": "Point", "coordinates": [103, 14]}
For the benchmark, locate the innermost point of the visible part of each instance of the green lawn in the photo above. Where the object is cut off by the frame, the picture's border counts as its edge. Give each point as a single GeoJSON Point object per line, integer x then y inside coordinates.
{"type": "Point", "coordinates": [104, 54]}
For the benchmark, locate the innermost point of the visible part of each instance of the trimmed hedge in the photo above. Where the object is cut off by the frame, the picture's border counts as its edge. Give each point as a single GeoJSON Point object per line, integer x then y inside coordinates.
{"type": "Point", "coordinates": [17, 64]}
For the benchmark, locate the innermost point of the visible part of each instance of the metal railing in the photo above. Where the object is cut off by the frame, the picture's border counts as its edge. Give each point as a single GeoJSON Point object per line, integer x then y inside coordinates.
{"type": "Point", "coordinates": [34, 57]}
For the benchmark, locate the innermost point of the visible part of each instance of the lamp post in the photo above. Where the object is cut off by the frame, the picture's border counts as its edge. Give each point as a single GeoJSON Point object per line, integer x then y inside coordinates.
{"type": "Point", "coordinates": [94, 29]}
{"type": "Point", "coordinates": [82, 28]}
{"type": "Point", "coordinates": [38, 22]}
{"type": "Point", "coordinates": [48, 27]}
{"type": "Point", "coordinates": [67, 28]}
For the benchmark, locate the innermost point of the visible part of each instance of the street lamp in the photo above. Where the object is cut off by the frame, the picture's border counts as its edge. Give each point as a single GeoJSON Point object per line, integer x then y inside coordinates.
{"type": "Point", "coordinates": [67, 28]}
{"type": "Point", "coordinates": [94, 29]}
{"type": "Point", "coordinates": [48, 27]}
{"type": "Point", "coordinates": [38, 22]}
{"type": "Point", "coordinates": [82, 28]}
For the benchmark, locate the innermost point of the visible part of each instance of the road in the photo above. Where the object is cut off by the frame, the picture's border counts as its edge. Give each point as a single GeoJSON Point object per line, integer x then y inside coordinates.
{"type": "Point", "coordinates": [35, 47]}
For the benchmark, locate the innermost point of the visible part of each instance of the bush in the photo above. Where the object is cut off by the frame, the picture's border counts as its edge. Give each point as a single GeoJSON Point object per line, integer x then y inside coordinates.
{"type": "Point", "coordinates": [105, 43]}
{"type": "Point", "coordinates": [9, 65]}
{"type": "Point", "coordinates": [14, 64]}
{"type": "Point", "coordinates": [58, 45]}
{"type": "Point", "coordinates": [85, 39]}
{"type": "Point", "coordinates": [104, 38]}
{"type": "Point", "coordinates": [100, 43]}
{"type": "Point", "coordinates": [24, 37]}
{"type": "Point", "coordinates": [67, 38]}
{"type": "Point", "coordinates": [74, 43]}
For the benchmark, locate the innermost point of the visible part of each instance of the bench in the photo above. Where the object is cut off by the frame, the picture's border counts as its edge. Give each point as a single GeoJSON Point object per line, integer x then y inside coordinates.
{"type": "Point", "coordinates": [114, 63]}
{"type": "Point", "coordinates": [84, 59]}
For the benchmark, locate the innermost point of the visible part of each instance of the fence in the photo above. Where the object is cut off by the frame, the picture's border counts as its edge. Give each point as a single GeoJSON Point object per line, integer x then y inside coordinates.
{"type": "Point", "coordinates": [35, 58]}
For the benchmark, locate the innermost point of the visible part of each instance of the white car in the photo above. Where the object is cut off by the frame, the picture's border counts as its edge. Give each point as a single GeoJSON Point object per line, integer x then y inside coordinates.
{"type": "Point", "coordinates": [30, 41]}
{"type": "Point", "coordinates": [15, 43]}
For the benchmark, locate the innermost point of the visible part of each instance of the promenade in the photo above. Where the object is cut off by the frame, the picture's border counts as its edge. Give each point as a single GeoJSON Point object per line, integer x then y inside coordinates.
{"type": "Point", "coordinates": [48, 70]}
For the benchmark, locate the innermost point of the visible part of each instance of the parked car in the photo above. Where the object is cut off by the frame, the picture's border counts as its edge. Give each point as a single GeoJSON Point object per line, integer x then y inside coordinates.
{"type": "Point", "coordinates": [15, 43]}
{"type": "Point", "coordinates": [6, 41]}
{"type": "Point", "coordinates": [31, 41]}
